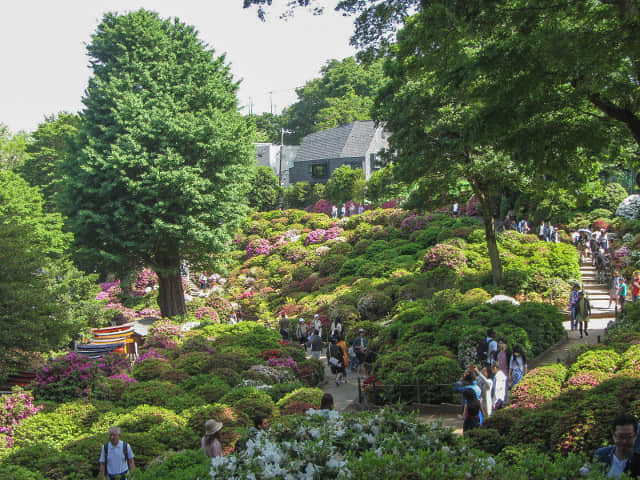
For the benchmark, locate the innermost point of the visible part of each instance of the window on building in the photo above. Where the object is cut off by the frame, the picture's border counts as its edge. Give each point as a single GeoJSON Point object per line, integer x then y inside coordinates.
{"type": "Point", "coordinates": [373, 162]}
{"type": "Point", "coordinates": [319, 170]}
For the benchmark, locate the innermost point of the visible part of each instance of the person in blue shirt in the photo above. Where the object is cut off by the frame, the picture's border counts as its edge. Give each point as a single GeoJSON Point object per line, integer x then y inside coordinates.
{"type": "Point", "coordinates": [621, 457]}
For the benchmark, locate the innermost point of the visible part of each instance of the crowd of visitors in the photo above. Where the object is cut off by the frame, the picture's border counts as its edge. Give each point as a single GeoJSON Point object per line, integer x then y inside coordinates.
{"type": "Point", "coordinates": [484, 388]}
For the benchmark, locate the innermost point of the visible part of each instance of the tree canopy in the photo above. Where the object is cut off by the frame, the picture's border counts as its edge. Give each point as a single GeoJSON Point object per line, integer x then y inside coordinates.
{"type": "Point", "coordinates": [53, 141]}
{"type": "Point", "coordinates": [265, 190]}
{"type": "Point", "coordinates": [448, 123]}
{"type": "Point", "coordinates": [12, 148]}
{"type": "Point", "coordinates": [161, 173]}
{"type": "Point", "coordinates": [343, 93]}
{"type": "Point", "coordinates": [44, 300]}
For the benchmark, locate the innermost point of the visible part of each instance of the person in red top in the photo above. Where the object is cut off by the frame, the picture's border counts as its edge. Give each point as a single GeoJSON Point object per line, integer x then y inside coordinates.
{"type": "Point", "coordinates": [635, 286]}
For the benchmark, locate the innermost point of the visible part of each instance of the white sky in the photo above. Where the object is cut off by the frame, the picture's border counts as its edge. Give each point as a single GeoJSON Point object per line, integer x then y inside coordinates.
{"type": "Point", "coordinates": [44, 66]}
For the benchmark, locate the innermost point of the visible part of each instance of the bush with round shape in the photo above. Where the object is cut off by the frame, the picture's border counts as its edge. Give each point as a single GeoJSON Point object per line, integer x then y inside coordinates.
{"type": "Point", "coordinates": [475, 295]}
{"type": "Point", "coordinates": [253, 405]}
{"type": "Point", "coordinates": [585, 380]}
{"type": "Point", "coordinates": [184, 465]}
{"type": "Point", "coordinates": [630, 359]}
{"type": "Point", "coordinates": [66, 378]}
{"type": "Point", "coordinates": [374, 305]}
{"type": "Point", "coordinates": [237, 361]}
{"type": "Point", "coordinates": [152, 392]}
{"type": "Point", "coordinates": [539, 386]}
{"type": "Point", "coordinates": [48, 429]}
{"type": "Point", "coordinates": [151, 369]}
{"type": "Point", "coordinates": [194, 363]}
{"type": "Point", "coordinates": [331, 264]}
{"type": "Point", "coordinates": [49, 462]}
{"type": "Point", "coordinates": [311, 372]}
{"type": "Point", "coordinates": [143, 417]}
{"type": "Point", "coordinates": [15, 472]}
{"type": "Point", "coordinates": [432, 374]}
{"type": "Point", "coordinates": [601, 360]}
{"type": "Point", "coordinates": [306, 395]}
{"type": "Point", "coordinates": [279, 390]}
{"type": "Point", "coordinates": [212, 391]}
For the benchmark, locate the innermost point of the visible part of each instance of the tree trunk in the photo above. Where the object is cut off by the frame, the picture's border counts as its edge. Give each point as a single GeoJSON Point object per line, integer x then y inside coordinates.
{"type": "Point", "coordinates": [490, 233]}
{"type": "Point", "coordinates": [170, 293]}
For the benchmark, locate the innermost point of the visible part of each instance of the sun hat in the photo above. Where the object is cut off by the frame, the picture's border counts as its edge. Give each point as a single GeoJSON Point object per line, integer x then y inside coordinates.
{"type": "Point", "coordinates": [301, 320]}
{"type": "Point", "coordinates": [211, 427]}
{"type": "Point", "coordinates": [361, 330]}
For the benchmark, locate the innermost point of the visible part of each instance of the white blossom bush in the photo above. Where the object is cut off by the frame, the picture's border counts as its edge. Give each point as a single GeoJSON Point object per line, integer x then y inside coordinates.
{"type": "Point", "coordinates": [630, 207]}
{"type": "Point", "coordinates": [325, 443]}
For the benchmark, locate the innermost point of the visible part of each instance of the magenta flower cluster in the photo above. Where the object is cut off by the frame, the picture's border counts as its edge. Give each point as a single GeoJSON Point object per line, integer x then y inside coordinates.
{"type": "Point", "coordinates": [164, 334]}
{"type": "Point", "coordinates": [109, 290]}
{"type": "Point", "coordinates": [124, 377]}
{"type": "Point", "coordinates": [151, 353]}
{"type": "Point", "coordinates": [443, 255]}
{"type": "Point", "coordinates": [395, 203]}
{"type": "Point", "coordinates": [259, 246]}
{"type": "Point", "coordinates": [321, 235]}
{"type": "Point", "coordinates": [147, 278]}
{"type": "Point", "coordinates": [67, 377]}
{"type": "Point", "coordinates": [321, 206]}
{"type": "Point", "coordinates": [287, 362]}
{"type": "Point", "coordinates": [15, 408]}
{"type": "Point", "coordinates": [414, 222]}
{"type": "Point", "coordinates": [207, 312]}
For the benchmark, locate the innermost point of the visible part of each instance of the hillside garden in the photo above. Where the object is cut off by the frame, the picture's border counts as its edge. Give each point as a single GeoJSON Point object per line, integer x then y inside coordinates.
{"type": "Point", "coordinates": [417, 282]}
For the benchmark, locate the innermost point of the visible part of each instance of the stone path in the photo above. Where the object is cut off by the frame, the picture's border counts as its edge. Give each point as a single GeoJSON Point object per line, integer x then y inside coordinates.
{"type": "Point", "coordinates": [345, 396]}
{"type": "Point", "coordinates": [601, 315]}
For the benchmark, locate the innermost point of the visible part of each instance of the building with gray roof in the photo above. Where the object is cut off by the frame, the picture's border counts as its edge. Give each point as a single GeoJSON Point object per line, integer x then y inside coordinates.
{"type": "Point", "coordinates": [356, 144]}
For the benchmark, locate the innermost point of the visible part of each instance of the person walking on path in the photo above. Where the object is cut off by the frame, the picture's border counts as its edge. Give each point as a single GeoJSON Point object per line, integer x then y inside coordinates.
{"type": "Point", "coordinates": [315, 342]}
{"type": "Point", "coordinates": [360, 349]}
{"type": "Point", "coordinates": [614, 286]}
{"type": "Point", "coordinates": [499, 388]}
{"type": "Point", "coordinates": [210, 443]}
{"type": "Point", "coordinates": [335, 357]}
{"type": "Point", "coordinates": [517, 366]}
{"type": "Point", "coordinates": [302, 333]}
{"type": "Point", "coordinates": [471, 412]}
{"type": "Point", "coordinates": [285, 325]}
{"type": "Point", "coordinates": [635, 286]}
{"type": "Point", "coordinates": [622, 292]}
{"type": "Point", "coordinates": [503, 356]}
{"type": "Point", "coordinates": [573, 299]}
{"type": "Point", "coordinates": [583, 311]}
{"type": "Point", "coordinates": [483, 377]}
{"type": "Point", "coordinates": [116, 457]}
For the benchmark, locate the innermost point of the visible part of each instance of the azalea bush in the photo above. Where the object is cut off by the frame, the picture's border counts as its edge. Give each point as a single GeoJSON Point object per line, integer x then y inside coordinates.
{"type": "Point", "coordinates": [14, 409]}
{"type": "Point", "coordinates": [67, 377]}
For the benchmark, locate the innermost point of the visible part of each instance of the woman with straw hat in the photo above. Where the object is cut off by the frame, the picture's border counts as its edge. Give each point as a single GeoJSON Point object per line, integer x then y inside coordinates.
{"type": "Point", "coordinates": [210, 443]}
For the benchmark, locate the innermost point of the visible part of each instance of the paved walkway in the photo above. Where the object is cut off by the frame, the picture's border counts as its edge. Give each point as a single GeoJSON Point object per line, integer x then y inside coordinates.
{"type": "Point", "coordinates": [601, 315]}
{"type": "Point", "coordinates": [345, 396]}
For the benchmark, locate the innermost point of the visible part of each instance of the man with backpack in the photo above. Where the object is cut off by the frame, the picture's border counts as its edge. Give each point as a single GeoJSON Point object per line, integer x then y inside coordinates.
{"type": "Point", "coordinates": [116, 457]}
{"type": "Point", "coordinates": [488, 349]}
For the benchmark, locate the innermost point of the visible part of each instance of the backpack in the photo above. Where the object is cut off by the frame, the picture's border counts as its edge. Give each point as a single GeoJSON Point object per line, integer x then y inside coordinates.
{"type": "Point", "coordinates": [482, 351]}
{"type": "Point", "coordinates": [125, 450]}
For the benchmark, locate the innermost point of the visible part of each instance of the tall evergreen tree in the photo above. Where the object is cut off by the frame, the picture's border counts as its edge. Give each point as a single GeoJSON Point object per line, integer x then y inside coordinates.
{"type": "Point", "coordinates": [44, 300]}
{"type": "Point", "coordinates": [161, 173]}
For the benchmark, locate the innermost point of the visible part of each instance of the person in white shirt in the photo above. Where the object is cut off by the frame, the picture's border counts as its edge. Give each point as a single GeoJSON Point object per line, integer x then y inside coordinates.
{"type": "Point", "coordinates": [499, 387]}
{"type": "Point", "coordinates": [116, 457]}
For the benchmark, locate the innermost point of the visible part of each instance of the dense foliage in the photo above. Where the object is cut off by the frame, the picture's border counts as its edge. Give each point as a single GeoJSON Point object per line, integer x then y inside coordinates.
{"type": "Point", "coordinates": [162, 168]}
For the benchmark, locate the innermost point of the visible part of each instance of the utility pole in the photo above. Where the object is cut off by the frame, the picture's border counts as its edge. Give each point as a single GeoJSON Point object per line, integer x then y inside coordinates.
{"type": "Point", "coordinates": [271, 102]}
{"type": "Point", "coordinates": [282, 132]}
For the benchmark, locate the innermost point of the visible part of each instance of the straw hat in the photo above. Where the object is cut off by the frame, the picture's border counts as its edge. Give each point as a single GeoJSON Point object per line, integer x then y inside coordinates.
{"type": "Point", "coordinates": [211, 427]}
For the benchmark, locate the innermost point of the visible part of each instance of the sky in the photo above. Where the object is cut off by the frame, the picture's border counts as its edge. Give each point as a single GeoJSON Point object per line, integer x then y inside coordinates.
{"type": "Point", "coordinates": [45, 69]}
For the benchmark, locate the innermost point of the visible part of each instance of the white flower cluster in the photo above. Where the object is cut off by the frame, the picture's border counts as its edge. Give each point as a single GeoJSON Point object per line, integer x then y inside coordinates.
{"type": "Point", "coordinates": [630, 207]}
{"type": "Point", "coordinates": [322, 445]}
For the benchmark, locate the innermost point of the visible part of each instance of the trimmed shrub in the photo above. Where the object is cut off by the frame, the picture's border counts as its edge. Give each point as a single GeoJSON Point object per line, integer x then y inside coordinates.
{"type": "Point", "coordinates": [539, 386]}
{"type": "Point", "coordinates": [306, 395]}
{"type": "Point", "coordinates": [153, 392]}
{"type": "Point", "coordinates": [599, 360]}
{"type": "Point", "coordinates": [151, 369]}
